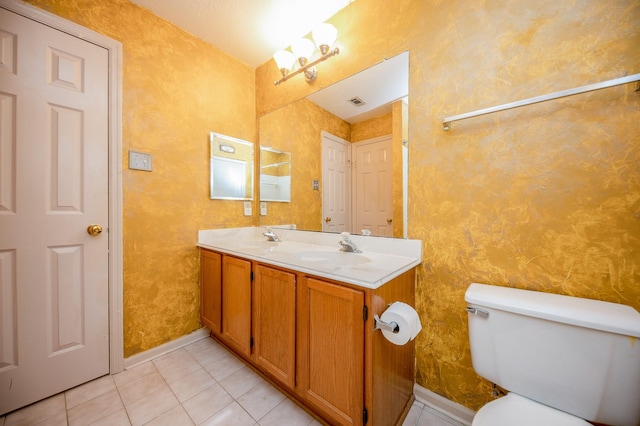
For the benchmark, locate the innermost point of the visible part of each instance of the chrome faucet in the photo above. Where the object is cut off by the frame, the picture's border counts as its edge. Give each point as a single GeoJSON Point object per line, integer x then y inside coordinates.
{"type": "Point", "coordinates": [347, 244]}
{"type": "Point", "coordinates": [271, 236]}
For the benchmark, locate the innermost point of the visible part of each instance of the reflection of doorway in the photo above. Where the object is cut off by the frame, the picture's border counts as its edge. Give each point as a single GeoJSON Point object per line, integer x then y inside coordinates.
{"type": "Point", "coordinates": [371, 206]}
{"type": "Point", "coordinates": [336, 184]}
{"type": "Point", "coordinates": [372, 183]}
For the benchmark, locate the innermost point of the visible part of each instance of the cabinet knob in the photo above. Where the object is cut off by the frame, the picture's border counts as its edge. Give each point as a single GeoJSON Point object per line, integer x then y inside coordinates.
{"type": "Point", "coordinates": [327, 219]}
{"type": "Point", "coordinates": [389, 220]}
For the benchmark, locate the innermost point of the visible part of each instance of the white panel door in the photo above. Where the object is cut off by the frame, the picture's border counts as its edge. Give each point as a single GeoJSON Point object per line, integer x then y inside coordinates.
{"type": "Point", "coordinates": [336, 184]}
{"type": "Point", "coordinates": [53, 184]}
{"type": "Point", "coordinates": [373, 187]}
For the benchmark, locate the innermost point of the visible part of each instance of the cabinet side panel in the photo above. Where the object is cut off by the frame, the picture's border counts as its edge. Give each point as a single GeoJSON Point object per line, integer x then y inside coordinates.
{"type": "Point", "coordinates": [211, 290]}
{"type": "Point", "coordinates": [393, 366]}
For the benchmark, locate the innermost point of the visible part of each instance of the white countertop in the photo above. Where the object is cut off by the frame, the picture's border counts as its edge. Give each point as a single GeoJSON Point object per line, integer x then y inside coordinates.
{"type": "Point", "coordinates": [318, 253]}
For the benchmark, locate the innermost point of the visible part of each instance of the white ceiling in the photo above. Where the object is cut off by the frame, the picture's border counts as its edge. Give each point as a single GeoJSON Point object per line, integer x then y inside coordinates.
{"type": "Point", "coordinates": [253, 30]}
{"type": "Point", "coordinates": [377, 87]}
{"type": "Point", "coordinates": [248, 30]}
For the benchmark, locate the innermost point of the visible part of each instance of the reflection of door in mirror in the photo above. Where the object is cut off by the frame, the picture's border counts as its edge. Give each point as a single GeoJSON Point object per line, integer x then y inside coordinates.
{"type": "Point", "coordinates": [336, 183]}
{"type": "Point", "coordinates": [373, 196]}
{"type": "Point", "coordinates": [370, 205]}
{"type": "Point", "coordinates": [231, 168]}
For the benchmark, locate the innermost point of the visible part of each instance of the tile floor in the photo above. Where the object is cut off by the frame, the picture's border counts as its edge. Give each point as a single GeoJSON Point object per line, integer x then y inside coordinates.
{"type": "Point", "coordinates": [200, 384]}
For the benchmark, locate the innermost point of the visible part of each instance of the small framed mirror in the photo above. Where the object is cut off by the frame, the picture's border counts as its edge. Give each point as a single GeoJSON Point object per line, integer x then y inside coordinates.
{"type": "Point", "coordinates": [230, 168]}
{"type": "Point", "coordinates": [275, 175]}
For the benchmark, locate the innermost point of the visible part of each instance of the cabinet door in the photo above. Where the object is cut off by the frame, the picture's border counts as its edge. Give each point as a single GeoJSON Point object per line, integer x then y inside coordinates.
{"type": "Point", "coordinates": [332, 350]}
{"type": "Point", "coordinates": [236, 303]}
{"type": "Point", "coordinates": [274, 322]}
{"type": "Point", "coordinates": [211, 290]}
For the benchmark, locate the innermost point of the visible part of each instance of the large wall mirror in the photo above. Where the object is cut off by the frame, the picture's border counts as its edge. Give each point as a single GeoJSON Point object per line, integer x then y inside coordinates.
{"type": "Point", "coordinates": [349, 146]}
{"type": "Point", "coordinates": [230, 168]}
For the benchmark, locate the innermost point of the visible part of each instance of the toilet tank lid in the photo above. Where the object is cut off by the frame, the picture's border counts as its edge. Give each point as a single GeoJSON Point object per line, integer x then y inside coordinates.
{"type": "Point", "coordinates": [595, 314]}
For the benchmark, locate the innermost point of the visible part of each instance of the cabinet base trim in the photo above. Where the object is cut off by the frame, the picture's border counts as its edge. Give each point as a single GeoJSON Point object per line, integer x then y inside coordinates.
{"type": "Point", "coordinates": [451, 409]}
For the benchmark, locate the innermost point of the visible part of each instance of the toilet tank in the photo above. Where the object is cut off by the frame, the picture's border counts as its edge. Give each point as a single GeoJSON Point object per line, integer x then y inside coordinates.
{"type": "Point", "coordinates": [577, 355]}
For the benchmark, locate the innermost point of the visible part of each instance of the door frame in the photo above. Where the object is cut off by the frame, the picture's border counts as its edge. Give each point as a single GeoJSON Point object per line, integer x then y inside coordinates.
{"type": "Point", "coordinates": [114, 49]}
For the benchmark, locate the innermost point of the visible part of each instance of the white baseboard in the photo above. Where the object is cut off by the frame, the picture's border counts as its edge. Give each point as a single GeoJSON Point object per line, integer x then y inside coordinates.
{"type": "Point", "coordinates": [165, 348]}
{"type": "Point", "coordinates": [453, 410]}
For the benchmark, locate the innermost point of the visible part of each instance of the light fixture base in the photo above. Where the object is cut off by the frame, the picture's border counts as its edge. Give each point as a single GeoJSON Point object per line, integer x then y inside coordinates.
{"type": "Point", "coordinates": [309, 69]}
{"type": "Point", "coordinates": [310, 75]}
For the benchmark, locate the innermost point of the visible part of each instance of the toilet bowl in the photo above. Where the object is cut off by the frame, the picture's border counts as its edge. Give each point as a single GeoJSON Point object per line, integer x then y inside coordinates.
{"type": "Point", "coordinates": [515, 410]}
{"type": "Point", "coordinates": [563, 360]}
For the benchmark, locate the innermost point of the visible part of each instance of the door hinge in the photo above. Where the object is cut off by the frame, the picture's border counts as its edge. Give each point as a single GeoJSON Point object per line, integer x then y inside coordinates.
{"type": "Point", "coordinates": [365, 416]}
{"type": "Point", "coordinates": [365, 312]}
{"type": "Point", "coordinates": [251, 276]}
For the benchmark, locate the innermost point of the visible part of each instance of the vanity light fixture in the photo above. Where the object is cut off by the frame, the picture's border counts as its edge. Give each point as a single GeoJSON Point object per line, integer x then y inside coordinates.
{"type": "Point", "coordinates": [324, 36]}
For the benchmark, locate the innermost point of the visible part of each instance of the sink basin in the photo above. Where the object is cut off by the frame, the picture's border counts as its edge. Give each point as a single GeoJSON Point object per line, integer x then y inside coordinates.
{"type": "Point", "coordinates": [332, 257]}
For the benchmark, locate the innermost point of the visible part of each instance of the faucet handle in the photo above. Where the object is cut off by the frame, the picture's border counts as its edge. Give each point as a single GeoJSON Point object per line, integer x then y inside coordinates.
{"type": "Point", "coordinates": [345, 236]}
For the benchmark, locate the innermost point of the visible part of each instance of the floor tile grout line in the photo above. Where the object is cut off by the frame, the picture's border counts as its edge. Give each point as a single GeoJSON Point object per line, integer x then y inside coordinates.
{"type": "Point", "coordinates": [126, 412]}
{"type": "Point", "coordinates": [232, 397]}
{"type": "Point", "coordinates": [425, 412]}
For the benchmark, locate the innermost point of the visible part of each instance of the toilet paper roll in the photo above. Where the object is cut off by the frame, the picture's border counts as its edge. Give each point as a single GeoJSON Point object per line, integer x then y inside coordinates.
{"type": "Point", "coordinates": [408, 323]}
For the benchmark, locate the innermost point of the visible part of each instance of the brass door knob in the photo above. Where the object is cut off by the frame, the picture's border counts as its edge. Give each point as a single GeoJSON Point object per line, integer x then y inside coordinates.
{"type": "Point", "coordinates": [327, 219]}
{"type": "Point", "coordinates": [389, 220]}
{"type": "Point", "coordinates": [94, 230]}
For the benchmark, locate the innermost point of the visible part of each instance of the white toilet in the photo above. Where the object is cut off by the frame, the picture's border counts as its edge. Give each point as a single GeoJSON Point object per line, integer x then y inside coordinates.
{"type": "Point", "coordinates": [564, 360]}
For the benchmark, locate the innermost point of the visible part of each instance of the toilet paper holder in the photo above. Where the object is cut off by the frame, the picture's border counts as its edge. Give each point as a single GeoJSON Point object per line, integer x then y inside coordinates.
{"type": "Point", "coordinates": [378, 324]}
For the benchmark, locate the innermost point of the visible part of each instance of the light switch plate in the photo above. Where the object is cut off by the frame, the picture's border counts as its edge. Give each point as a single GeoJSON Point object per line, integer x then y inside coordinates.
{"type": "Point", "coordinates": [139, 161]}
{"type": "Point", "coordinates": [263, 208]}
{"type": "Point", "coordinates": [315, 185]}
{"type": "Point", "coordinates": [247, 208]}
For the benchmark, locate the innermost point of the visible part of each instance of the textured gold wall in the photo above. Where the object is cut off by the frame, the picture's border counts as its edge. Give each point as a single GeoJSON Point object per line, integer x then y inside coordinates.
{"type": "Point", "coordinates": [545, 197]}
{"type": "Point", "coordinates": [176, 89]}
{"type": "Point", "coordinates": [372, 128]}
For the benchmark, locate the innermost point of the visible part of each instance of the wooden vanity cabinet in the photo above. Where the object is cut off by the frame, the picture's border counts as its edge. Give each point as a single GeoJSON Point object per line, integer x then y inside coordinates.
{"type": "Point", "coordinates": [274, 323]}
{"type": "Point", "coordinates": [236, 304]}
{"type": "Point", "coordinates": [211, 290]}
{"type": "Point", "coordinates": [313, 337]}
{"type": "Point", "coordinates": [331, 350]}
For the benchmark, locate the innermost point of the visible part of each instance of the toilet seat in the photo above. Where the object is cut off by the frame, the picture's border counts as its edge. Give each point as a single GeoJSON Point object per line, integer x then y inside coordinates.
{"type": "Point", "coordinates": [514, 409]}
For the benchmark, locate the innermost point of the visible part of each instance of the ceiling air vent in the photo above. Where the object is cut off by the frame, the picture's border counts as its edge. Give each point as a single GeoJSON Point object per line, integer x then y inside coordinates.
{"type": "Point", "coordinates": [356, 101]}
